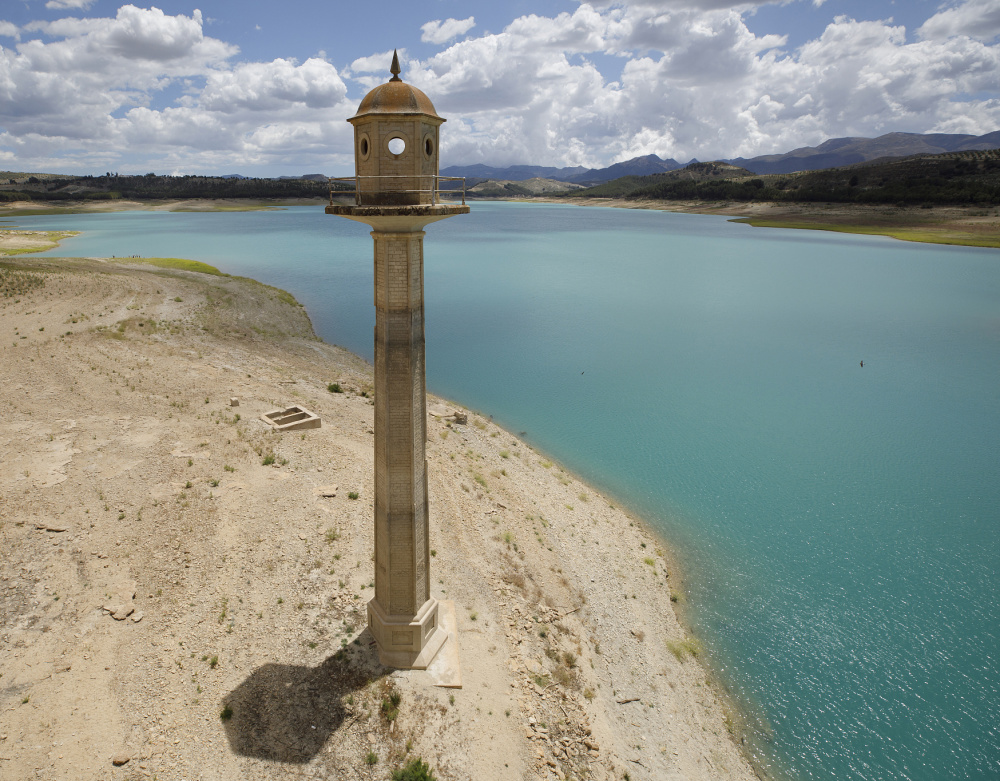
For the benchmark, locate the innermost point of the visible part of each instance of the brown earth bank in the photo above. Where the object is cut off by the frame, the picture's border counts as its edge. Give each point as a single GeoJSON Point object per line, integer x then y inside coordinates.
{"type": "Point", "coordinates": [958, 225]}
{"type": "Point", "coordinates": [183, 589]}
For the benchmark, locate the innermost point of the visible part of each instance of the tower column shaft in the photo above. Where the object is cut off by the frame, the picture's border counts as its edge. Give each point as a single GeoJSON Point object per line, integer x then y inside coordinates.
{"type": "Point", "coordinates": [396, 194]}
{"type": "Point", "coordinates": [402, 615]}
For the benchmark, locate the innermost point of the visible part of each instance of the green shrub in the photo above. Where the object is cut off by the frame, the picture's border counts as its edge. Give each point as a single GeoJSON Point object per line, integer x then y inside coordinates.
{"type": "Point", "coordinates": [415, 770]}
{"type": "Point", "coordinates": [390, 705]}
{"type": "Point", "coordinates": [334, 387]}
{"type": "Point", "coordinates": [681, 649]}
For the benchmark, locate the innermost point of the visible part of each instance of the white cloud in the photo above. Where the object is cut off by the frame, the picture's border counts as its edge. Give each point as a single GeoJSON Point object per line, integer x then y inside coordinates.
{"type": "Point", "coordinates": [9, 30]}
{"type": "Point", "coordinates": [369, 72]}
{"type": "Point", "coordinates": [600, 84]}
{"type": "Point", "coordinates": [692, 5]}
{"type": "Point", "coordinates": [87, 98]}
{"type": "Point", "coordinates": [63, 5]}
{"type": "Point", "coordinates": [694, 83]}
{"type": "Point", "coordinates": [272, 86]}
{"type": "Point", "coordinates": [978, 19]}
{"type": "Point", "coordinates": [441, 32]}
{"type": "Point", "coordinates": [376, 63]}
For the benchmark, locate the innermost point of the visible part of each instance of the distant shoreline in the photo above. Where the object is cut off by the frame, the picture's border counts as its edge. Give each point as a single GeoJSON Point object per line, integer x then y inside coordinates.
{"type": "Point", "coordinates": [33, 208]}
{"type": "Point", "coordinates": [964, 226]}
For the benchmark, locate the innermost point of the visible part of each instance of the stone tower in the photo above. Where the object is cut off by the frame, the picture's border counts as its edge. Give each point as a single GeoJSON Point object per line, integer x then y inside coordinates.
{"type": "Point", "coordinates": [396, 193]}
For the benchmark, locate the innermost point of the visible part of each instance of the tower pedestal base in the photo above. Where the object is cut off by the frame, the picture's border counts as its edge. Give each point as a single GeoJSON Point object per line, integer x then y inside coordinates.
{"type": "Point", "coordinates": [409, 642]}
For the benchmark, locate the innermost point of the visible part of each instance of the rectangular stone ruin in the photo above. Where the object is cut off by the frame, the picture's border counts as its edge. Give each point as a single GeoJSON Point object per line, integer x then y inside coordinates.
{"type": "Point", "coordinates": [447, 413]}
{"type": "Point", "coordinates": [293, 418]}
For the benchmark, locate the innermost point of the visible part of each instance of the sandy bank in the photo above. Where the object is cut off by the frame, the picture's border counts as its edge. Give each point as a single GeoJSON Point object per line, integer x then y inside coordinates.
{"type": "Point", "coordinates": [975, 226]}
{"type": "Point", "coordinates": [18, 242]}
{"type": "Point", "coordinates": [134, 491]}
{"type": "Point", "coordinates": [16, 208]}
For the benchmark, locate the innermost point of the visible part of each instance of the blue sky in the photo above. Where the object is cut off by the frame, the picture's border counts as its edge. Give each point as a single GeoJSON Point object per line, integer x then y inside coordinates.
{"type": "Point", "coordinates": [263, 88]}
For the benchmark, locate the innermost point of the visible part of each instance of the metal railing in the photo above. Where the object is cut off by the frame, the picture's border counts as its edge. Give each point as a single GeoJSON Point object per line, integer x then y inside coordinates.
{"type": "Point", "coordinates": [360, 191]}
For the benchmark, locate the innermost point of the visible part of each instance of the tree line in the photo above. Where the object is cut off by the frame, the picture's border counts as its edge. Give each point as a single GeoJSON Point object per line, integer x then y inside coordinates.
{"type": "Point", "coordinates": [154, 187]}
{"type": "Point", "coordinates": [955, 178]}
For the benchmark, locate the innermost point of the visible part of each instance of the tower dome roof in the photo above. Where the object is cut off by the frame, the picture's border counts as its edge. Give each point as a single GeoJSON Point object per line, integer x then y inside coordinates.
{"type": "Point", "coordinates": [396, 97]}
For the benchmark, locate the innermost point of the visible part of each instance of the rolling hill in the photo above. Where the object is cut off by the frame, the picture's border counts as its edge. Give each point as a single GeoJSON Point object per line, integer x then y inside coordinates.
{"type": "Point", "coordinates": [965, 177]}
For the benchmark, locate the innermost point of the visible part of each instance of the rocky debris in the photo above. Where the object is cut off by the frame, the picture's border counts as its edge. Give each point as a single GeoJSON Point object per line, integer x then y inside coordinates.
{"type": "Point", "coordinates": [120, 612]}
{"type": "Point", "coordinates": [120, 605]}
{"type": "Point", "coordinates": [234, 402]}
{"type": "Point", "coordinates": [180, 452]}
{"type": "Point", "coordinates": [326, 491]}
{"type": "Point", "coordinates": [120, 759]}
{"type": "Point", "coordinates": [448, 413]}
{"type": "Point", "coordinates": [51, 527]}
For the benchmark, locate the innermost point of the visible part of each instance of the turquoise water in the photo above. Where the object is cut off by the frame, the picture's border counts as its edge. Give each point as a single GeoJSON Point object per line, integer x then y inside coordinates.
{"type": "Point", "coordinates": [839, 525]}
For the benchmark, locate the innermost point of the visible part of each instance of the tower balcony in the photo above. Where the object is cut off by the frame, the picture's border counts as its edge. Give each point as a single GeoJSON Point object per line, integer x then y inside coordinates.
{"type": "Point", "coordinates": [398, 190]}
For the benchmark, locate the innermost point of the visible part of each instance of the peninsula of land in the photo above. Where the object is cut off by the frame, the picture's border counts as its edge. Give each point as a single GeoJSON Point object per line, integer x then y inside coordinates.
{"type": "Point", "coordinates": [966, 226]}
{"type": "Point", "coordinates": [183, 587]}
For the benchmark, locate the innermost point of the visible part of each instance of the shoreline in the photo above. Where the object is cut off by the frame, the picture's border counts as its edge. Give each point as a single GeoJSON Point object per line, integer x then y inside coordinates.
{"type": "Point", "coordinates": [746, 723]}
{"type": "Point", "coordinates": [964, 226]}
{"type": "Point", "coordinates": [40, 208]}
{"type": "Point", "coordinates": [737, 721]}
{"type": "Point", "coordinates": [588, 679]}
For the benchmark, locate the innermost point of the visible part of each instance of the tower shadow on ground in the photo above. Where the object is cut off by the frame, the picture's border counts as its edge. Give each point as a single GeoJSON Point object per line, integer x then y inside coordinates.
{"type": "Point", "coordinates": [287, 713]}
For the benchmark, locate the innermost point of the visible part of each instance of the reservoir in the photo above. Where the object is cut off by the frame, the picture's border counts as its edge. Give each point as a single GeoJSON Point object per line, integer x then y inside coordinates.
{"type": "Point", "coordinates": [838, 524]}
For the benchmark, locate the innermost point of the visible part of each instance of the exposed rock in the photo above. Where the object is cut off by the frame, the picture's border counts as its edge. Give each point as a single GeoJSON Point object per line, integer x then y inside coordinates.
{"type": "Point", "coordinates": [51, 527]}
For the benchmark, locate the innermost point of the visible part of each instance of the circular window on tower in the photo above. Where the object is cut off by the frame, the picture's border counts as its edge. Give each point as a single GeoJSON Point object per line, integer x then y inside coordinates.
{"type": "Point", "coordinates": [364, 146]}
{"type": "Point", "coordinates": [428, 147]}
{"type": "Point", "coordinates": [396, 146]}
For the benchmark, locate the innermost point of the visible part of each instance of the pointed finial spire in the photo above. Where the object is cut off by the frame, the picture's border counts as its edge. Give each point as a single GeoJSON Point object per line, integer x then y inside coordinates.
{"type": "Point", "coordinates": [394, 69]}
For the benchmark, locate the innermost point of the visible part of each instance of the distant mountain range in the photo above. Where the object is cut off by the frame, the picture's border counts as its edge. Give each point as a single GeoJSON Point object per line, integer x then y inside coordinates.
{"type": "Point", "coordinates": [307, 177]}
{"type": "Point", "coordinates": [838, 152]}
{"type": "Point", "coordinates": [962, 177]}
{"type": "Point", "coordinates": [830, 154]}
{"type": "Point", "coordinates": [638, 166]}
